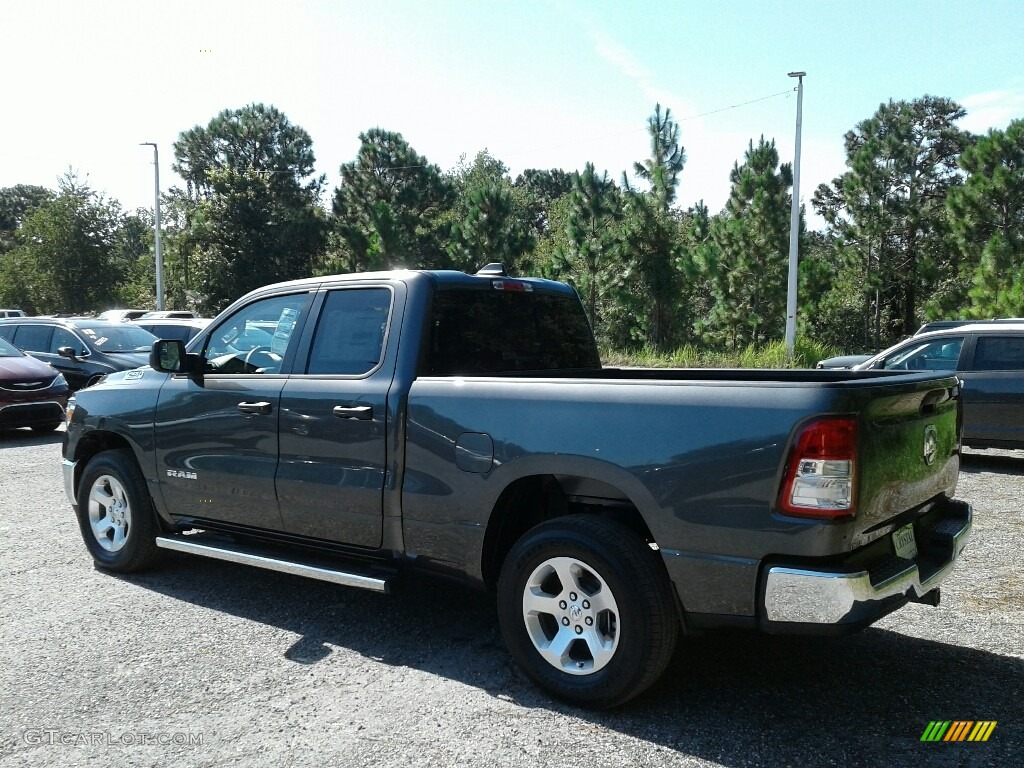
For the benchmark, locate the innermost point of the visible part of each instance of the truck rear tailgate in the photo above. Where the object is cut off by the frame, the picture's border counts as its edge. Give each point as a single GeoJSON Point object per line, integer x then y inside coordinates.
{"type": "Point", "coordinates": [908, 454]}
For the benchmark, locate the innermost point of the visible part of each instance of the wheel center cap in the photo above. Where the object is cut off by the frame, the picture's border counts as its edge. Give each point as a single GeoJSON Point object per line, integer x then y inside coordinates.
{"type": "Point", "coordinates": [575, 613]}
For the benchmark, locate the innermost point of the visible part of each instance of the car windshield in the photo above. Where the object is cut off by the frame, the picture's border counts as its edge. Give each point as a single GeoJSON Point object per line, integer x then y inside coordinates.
{"type": "Point", "coordinates": [119, 338]}
{"type": "Point", "coordinates": [8, 350]}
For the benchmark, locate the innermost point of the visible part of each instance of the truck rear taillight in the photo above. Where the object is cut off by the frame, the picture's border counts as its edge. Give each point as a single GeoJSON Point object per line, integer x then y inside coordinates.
{"type": "Point", "coordinates": [818, 481]}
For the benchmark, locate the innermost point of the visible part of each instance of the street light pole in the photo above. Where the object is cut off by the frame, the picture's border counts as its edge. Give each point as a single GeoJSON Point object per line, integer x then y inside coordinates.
{"type": "Point", "coordinates": [794, 223]}
{"type": "Point", "coordinates": [156, 227]}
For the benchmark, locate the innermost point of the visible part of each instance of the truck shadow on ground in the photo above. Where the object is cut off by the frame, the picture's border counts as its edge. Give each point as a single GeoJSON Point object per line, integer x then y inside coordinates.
{"type": "Point", "coordinates": [863, 699]}
{"type": "Point", "coordinates": [24, 438]}
{"type": "Point", "coordinates": [1003, 462]}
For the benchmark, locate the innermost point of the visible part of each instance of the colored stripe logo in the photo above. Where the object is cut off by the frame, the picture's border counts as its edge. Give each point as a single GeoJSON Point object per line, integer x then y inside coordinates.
{"type": "Point", "coordinates": [958, 730]}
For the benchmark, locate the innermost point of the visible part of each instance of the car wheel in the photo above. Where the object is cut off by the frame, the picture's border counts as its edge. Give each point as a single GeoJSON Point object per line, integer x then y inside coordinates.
{"type": "Point", "coordinates": [50, 426]}
{"type": "Point", "coordinates": [116, 514]}
{"type": "Point", "coordinates": [587, 610]}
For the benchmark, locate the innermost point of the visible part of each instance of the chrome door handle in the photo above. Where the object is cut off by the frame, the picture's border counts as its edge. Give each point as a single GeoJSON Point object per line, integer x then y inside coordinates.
{"type": "Point", "coordinates": [361, 412]}
{"type": "Point", "coordinates": [260, 408]}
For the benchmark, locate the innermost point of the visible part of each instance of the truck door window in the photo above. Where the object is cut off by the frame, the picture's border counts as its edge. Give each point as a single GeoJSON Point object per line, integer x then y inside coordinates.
{"type": "Point", "coordinates": [349, 337]}
{"type": "Point", "coordinates": [935, 355]}
{"type": "Point", "coordinates": [256, 338]}
{"type": "Point", "coordinates": [999, 353]}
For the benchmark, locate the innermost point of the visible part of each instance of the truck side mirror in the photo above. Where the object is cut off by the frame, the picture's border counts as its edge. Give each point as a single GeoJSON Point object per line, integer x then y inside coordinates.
{"type": "Point", "coordinates": [67, 352]}
{"type": "Point", "coordinates": [169, 356]}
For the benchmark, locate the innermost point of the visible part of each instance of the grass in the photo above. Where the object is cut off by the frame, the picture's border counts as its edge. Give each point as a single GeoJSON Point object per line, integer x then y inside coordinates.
{"type": "Point", "coordinates": [773, 355]}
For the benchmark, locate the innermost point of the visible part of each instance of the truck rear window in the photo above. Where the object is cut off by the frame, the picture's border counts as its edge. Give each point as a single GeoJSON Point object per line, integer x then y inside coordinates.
{"type": "Point", "coordinates": [474, 332]}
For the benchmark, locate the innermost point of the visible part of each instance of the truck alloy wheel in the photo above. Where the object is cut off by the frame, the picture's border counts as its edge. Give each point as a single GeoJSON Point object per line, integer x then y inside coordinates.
{"type": "Point", "coordinates": [571, 615]}
{"type": "Point", "coordinates": [110, 514]}
{"type": "Point", "coordinates": [587, 610]}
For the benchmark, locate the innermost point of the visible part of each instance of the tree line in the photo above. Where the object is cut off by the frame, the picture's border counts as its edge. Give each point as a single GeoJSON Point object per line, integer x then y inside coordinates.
{"type": "Point", "coordinates": [927, 221]}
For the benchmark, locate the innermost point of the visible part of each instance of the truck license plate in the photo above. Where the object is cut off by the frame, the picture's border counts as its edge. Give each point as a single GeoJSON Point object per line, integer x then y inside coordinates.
{"type": "Point", "coordinates": [903, 542]}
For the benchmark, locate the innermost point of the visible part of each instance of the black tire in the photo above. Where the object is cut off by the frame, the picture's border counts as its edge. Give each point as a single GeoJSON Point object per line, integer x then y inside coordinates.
{"type": "Point", "coordinates": [116, 514]}
{"type": "Point", "coordinates": [634, 627]}
{"type": "Point", "coordinates": [48, 427]}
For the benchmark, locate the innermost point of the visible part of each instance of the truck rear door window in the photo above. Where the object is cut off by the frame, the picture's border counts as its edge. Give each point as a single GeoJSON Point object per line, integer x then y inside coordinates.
{"type": "Point", "coordinates": [476, 332]}
{"type": "Point", "coordinates": [349, 338]}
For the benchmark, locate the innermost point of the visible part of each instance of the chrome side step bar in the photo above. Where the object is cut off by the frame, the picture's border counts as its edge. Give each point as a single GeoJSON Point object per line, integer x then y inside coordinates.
{"type": "Point", "coordinates": [182, 544]}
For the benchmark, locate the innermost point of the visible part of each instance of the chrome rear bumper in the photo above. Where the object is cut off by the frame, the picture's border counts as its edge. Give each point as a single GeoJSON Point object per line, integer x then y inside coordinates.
{"type": "Point", "coordinates": [836, 597]}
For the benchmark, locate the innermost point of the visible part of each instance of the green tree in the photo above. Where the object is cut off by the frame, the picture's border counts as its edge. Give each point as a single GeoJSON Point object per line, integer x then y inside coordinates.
{"type": "Point", "coordinates": [888, 210]}
{"type": "Point", "coordinates": [544, 188]}
{"type": "Point", "coordinates": [255, 137]}
{"type": "Point", "coordinates": [748, 272]}
{"type": "Point", "coordinates": [250, 212]}
{"type": "Point", "coordinates": [661, 170]}
{"type": "Point", "coordinates": [15, 204]}
{"type": "Point", "coordinates": [491, 220]}
{"type": "Point", "coordinates": [987, 224]}
{"type": "Point", "coordinates": [388, 210]}
{"type": "Point", "coordinates": [491, 230]}
{"type": "Point", "coordinates": [249, 233]}
{"type": "Point", "coordinates": [64, 256]}
{"type": "Point", "coordinates": [648, 293]}
{"type": "Point", "coordinates": [592, 229]}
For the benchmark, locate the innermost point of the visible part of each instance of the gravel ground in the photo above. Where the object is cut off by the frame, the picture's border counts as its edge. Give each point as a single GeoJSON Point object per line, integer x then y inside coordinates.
{"type": "Point", "coordinates": [201, 663]}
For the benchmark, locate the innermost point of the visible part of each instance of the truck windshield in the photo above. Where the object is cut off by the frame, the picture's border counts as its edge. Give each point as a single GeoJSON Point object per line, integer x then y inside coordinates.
{"type": "Point", "coordinates": [477, 332]}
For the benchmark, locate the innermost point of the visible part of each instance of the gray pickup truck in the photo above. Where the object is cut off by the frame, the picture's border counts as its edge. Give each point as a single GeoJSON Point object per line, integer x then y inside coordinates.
{"type": "Point", "coordinates": [362, 427]}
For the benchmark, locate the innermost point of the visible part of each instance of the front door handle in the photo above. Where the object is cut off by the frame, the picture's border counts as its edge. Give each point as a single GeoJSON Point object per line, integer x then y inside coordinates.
{"type": "Point", "coordinates": [260, 408]}
{"type": "Point", "coordinates": [361, 412]}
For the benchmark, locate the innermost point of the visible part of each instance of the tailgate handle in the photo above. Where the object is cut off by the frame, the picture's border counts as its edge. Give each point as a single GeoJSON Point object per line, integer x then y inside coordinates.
{"type": "Point", "coordinates": [930, 401]}
{"type": "Point", "coordinates": [361, 412]}
{"type": "Point", "coordinates": [260, 408]}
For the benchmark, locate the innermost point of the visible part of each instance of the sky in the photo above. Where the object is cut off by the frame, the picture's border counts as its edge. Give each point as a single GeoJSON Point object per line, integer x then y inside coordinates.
{"type": "Point", "coordinates": [537, 83]}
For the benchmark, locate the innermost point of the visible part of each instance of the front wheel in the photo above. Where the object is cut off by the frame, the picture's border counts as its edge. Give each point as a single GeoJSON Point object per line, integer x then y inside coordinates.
{"type": "Point", "coordinates": [587, 611]}
{"type": "Point", "coordinates": [50, 426]}
{"type": "Point", "coordinates": [116, 515]}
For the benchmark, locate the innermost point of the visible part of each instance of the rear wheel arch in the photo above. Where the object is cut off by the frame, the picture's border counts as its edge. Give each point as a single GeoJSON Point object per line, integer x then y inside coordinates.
{"type": "Point", "coordinates": [531, 500]}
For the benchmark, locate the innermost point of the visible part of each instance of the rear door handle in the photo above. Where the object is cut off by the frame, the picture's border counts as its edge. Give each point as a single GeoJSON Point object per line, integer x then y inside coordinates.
{"type": "Point", "coordinates": [361, 412]}
{"type": "Point", "coordinates": [260, 408]}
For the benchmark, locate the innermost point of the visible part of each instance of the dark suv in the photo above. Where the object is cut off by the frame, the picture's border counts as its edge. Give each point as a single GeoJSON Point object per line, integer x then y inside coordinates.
{"type": "Point", "coordinates": [83, 349]}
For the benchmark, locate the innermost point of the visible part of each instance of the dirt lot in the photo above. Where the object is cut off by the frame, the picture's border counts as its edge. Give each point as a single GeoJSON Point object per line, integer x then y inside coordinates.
{"type": "Point", "coordinates": [202, 663]}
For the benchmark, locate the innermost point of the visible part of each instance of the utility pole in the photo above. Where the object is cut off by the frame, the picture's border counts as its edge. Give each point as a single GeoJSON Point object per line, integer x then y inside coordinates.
{"type": "Point", "coordinates": [156, 226]}
{"type": "Point", "coordinates": [794, 223]}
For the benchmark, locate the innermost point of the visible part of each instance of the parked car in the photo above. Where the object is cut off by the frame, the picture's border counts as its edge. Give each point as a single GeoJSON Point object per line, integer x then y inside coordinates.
{"type": "Point", "coordinates": [851, 361]}
{"type": "Point", "coordinates": [462, 425]}
{"type": "Point", "coordinates": [989, 360]}
{"type": "Point", "coordinates": [32, 393]}
{"type": "Point", "coordinates": [83, 349]}
{"type": "Point", "coordinates": [173, 328]}
{"type": "Point", "coordinates": [941, 325]}
{"type": "Point", "coordinates": [163, 314]}
{"type": "Point", "coordinates": [11, 313]}
{"type": "Point", "coordinates": [121, 315]}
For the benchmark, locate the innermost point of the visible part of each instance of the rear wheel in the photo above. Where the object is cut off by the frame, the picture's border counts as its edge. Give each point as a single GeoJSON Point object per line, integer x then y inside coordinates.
{"type": "Point", "coordinates": [587, 611]}
{"type": "Point", "coordinates": [116, 515]}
